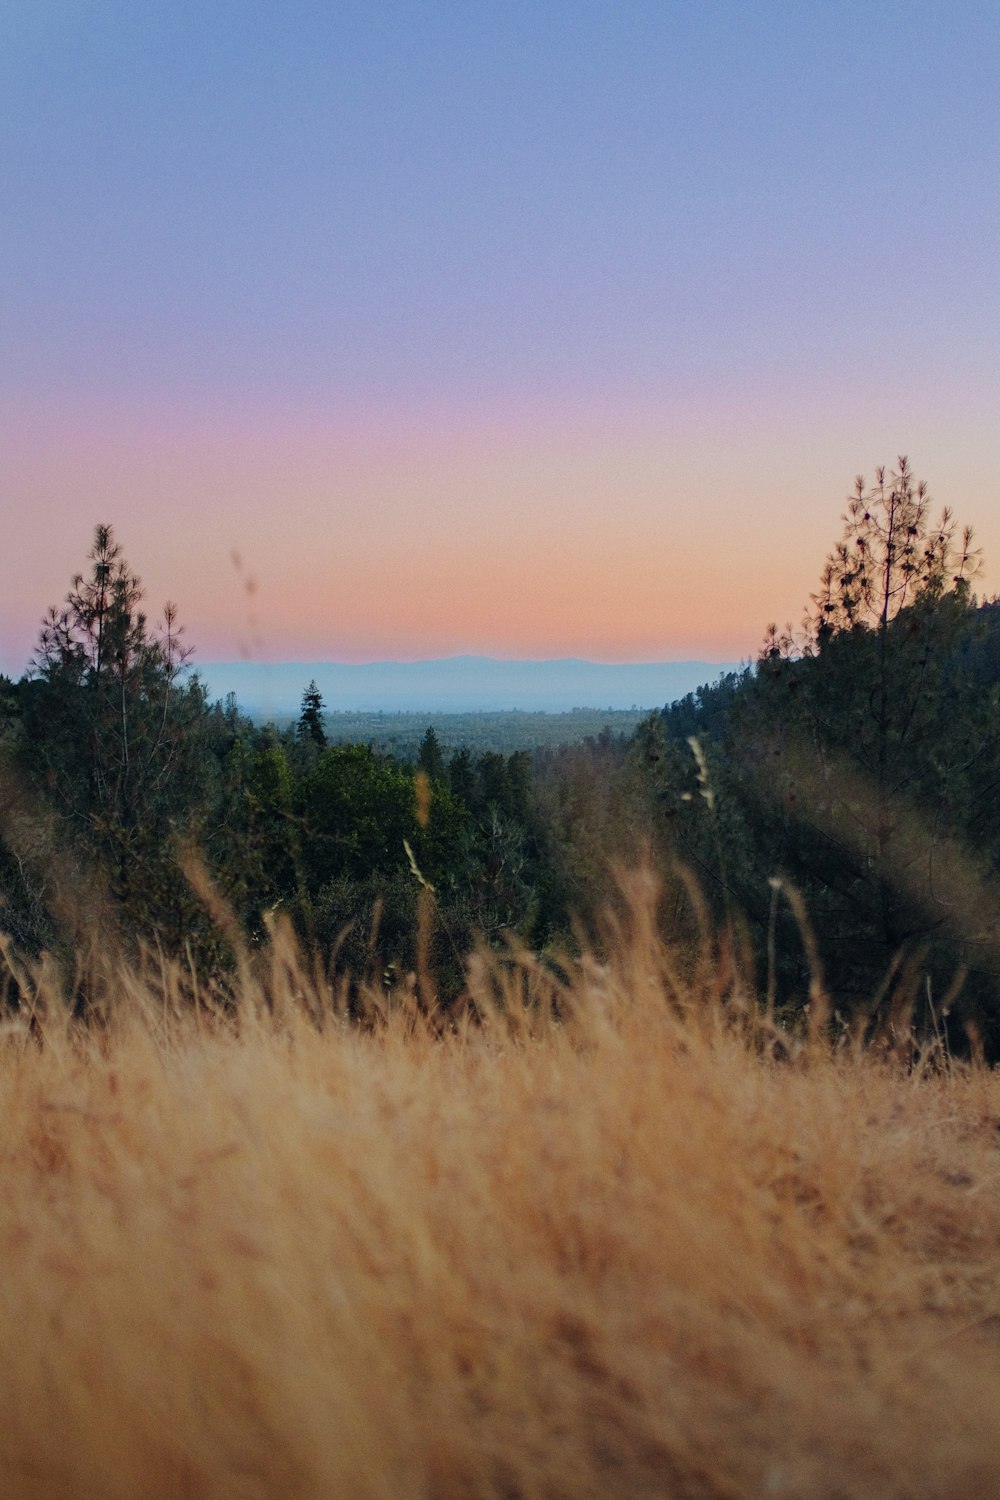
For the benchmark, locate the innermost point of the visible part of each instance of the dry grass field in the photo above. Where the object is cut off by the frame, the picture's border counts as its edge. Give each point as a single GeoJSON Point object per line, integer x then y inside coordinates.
{"type": "Point", "coordinates": [608, 1242]}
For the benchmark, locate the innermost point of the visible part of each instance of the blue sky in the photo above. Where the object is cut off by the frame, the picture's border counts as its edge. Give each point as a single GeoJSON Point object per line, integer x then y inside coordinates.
{"type": "Point", "coordinates": [729, 225]}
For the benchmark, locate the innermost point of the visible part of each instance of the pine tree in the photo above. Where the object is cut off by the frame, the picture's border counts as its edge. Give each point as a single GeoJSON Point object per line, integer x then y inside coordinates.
{"type": "Point", "coordinates": [429, 757]}
{"type": "Point", "coordinates": [868, 735]}
{"type": "Point", "coordinates": [112, 734]}
{"type": "Point", "coordinates": [311, 723]}
{"type": "Point", "coordinates": [111, 720]}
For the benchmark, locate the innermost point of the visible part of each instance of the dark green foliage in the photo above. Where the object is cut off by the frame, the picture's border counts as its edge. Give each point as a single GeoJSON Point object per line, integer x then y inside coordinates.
{"type": "Point", "coordinates": [705, 712]}
{"type": "Point", "coordinates": [366, 927]}
{"type": "Point", "coordinates": [858, 764]}
{"type": "Point", "coordinates": [256, 845]}
{"type": "Point", "coordinates": [110, 732]}
{"type": "Point", "coordinates": [109, 715]}
{"type": "Point", "coordinates": [363, 820]}
{"type": "Point", "coordinates": [112, 761]}
{"type": "Point", "coordinates": [357, 809]}
{"type": "Point", "coordinates": [508, 885]}
{"type": "Point", "coordinates": [311, 725]}
{"type": "Point", "coordinates": [430, 758]}
{"type": "Point", "coordinates": [861, 763]}
{"type": "Point", "coordinates": [461, 778]}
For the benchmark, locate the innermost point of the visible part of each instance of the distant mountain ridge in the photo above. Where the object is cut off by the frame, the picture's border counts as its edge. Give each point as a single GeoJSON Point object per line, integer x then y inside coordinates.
{"type": "Point", "coordinates": [458, 684]}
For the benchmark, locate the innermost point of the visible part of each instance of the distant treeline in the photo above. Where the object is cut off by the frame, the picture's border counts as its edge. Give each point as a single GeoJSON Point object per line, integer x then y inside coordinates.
{"type": "Point", "coordinates": [506, 730]}
{"type": "Point", "coordinates": [825, 825]}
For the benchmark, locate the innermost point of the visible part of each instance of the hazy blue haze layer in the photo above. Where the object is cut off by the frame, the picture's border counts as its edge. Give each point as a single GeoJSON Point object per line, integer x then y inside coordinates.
{"type": "Point", "coordinates": [459, 684]}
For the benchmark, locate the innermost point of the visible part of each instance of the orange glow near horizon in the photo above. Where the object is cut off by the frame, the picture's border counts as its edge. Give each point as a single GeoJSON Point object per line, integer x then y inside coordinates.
{"type": "Point", "coordinates": [529, 330]}
{"type": "Point", "coordinates": [607, 536]}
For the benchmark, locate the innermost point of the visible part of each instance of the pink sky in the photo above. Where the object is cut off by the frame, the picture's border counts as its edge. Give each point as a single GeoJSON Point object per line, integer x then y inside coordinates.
{"type": "Point", "coordinates": [529, 330]}
{"type": "Point", "coordinates": [664, 534]}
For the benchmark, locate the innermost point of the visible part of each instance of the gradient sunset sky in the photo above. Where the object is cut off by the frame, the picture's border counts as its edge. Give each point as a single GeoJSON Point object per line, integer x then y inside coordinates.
{"type": "Point", "coordinates": [393, 330]}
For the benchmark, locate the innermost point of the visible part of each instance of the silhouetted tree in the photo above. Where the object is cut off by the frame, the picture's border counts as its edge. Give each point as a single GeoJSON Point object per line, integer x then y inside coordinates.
{"type": "Point", "coordinates": [430, 758]}
{"type": "Point", "coordinates": [855, 761]}
{"type": "Point", "coordinates": [311, 725]}
{"type": "Point", "coordinates": [890, 557]}
{"type": "Point", "coordinates": [111, 728]}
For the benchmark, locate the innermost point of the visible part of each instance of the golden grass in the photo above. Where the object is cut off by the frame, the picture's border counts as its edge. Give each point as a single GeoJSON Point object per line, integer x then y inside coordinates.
{"type": "Point", "coordinates": [625, 1252]}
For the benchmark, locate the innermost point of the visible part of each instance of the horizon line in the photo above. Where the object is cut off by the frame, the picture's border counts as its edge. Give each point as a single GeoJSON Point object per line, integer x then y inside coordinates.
{"type": "Point", "coordinates": [461, 656]}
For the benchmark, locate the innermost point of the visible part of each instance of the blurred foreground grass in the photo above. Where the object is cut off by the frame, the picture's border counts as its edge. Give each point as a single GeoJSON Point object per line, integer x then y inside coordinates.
{"type": "Point", "coordinates": [616, 1236]}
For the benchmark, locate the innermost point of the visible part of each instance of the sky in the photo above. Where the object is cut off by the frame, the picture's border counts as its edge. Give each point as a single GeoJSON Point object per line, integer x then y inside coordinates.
{"type": "Point", "coordinates": [388, 330]}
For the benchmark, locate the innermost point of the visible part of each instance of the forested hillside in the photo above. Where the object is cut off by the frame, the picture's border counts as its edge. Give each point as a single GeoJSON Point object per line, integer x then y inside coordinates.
{"type": "Point", "coordinates": [846, 793]}
{"type": "Point", "coordinates": [831, 815]}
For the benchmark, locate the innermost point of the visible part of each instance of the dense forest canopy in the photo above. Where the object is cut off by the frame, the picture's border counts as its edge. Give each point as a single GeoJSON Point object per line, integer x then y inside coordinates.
{"type": "Point", "coordinates": [837, 803]}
